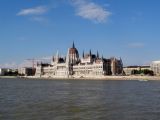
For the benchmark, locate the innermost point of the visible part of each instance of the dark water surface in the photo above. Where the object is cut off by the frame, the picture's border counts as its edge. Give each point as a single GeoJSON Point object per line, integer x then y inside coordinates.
{"type": "Point", "coordinates": [79, 100]}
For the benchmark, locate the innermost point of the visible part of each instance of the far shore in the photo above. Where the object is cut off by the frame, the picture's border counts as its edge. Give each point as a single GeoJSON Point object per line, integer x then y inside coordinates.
{"type": "Point", "coordinates": [92, 78]}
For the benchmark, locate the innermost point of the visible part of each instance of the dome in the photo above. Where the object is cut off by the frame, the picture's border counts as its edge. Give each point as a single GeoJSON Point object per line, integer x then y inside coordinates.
{"type": "Point", "coordinates": [73, 55]}
{"type": "Point", "coordinates": [73, 51]}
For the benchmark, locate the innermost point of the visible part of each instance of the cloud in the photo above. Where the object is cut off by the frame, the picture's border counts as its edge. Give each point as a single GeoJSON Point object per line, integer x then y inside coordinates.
{"type": "Point", "coordinates": [26, 64]}
{"type": "Point", "coordinates": [91, 11]}
{"type": "Point", "coordinates": [9, 65]}
{"type": "Point", "coordinates": [39, 10]}
{"type": "Point", "coordinates": [33, 62]}
{"type": "Point", "coordinates": [136, 45]}
{"type": "Point", "coordinates": [46, 58]}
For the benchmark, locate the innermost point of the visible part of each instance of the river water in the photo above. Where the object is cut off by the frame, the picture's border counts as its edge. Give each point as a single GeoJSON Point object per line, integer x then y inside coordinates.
{"type": "Point", "coordinates": [22, 99]}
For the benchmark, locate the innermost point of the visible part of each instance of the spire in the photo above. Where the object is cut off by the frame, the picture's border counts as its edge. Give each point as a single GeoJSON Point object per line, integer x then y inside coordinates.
{"type": "Point", "coordinates": [67, 57]}
{"type": "Point", "coordinates": [57, 56]}
{"type": "Point", "coordinates": [121, 61]}
{"type": "Point", "coordinates": [53, 59]}
{"type": "Point", "coordinates": [73, 46]}
{"type": "Point", "coordinates": [83, 54]}
{"type": "Point", "coordinates": [90, 53]}
{"type": "Point", "coordinates": [102, 58]}
{"type": "Point", "coordinates": [97, 54]}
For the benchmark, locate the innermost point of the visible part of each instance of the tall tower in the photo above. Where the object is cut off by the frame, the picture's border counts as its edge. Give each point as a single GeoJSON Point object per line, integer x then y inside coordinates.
{"type": "Point", "coordinates": [69, 69]}
{"type": "Point", "coordinates": [57, 57]}
{"type": "Point", "coordinates": [97, 54]}
{"type": "Point", "coordinates": [113, 66]}
{"type": "Point", "coordinates": [73, 55]}
{"type": "Point", "coordinates": [83, 54]}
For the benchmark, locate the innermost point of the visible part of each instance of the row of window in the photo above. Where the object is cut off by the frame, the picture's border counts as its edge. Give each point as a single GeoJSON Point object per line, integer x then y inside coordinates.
{"type": "Point", "coordinates": [95, 67]}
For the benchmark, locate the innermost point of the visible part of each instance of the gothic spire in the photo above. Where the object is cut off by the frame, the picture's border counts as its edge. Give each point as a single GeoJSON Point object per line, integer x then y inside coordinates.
{"type": "Point", "coordinates": [97, 54]}
{"type": "Point", "coordinates": [121, 61]}
{"type": "Point", "coordinates": [73, 46]}
{"type": "Point", "coordinates": [90, 53]}
{"type": "Point", "coordinates": [83, 54]}
{"type": "Point", "coordinates": [57, 56]}
{"type": "Point", "coordinates": [67, 57]}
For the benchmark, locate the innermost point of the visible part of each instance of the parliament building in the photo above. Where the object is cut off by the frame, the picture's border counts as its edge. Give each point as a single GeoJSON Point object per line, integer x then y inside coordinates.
{"type": "Point", "coordinates": [73, 66]}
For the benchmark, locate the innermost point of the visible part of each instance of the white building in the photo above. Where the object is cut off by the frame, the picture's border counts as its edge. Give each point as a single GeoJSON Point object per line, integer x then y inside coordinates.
{"type": "Point", "coordinates": [155, 67]}
{"type": "Point", "coordinates": [3, 71]}
{"type": "Point", "coordinates": [128, 70]}
{"type": "Point", "coordinates": [90, 65]}
{"type": "Point", "coordinates": [26, 71]}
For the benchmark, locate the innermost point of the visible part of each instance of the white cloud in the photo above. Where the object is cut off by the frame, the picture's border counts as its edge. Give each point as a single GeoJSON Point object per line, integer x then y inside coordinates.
{"type": "Point", "coordinates": [26, 63]}
{"type": "Point", "coordinates": [46, 58]}
{"type": "Point", "coordinates": [9, 65]}
{"type": "Point", "coordinates": [136, 45]}
{"type": "Point", "coordinates": [33, 62]}
{"type": "Point", "coordinates": [39, 10]}
{"type": "Point", "coordinates": [91, 11]}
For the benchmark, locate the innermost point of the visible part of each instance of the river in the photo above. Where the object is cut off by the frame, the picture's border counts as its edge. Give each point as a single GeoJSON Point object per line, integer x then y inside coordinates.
{"type": "Point", "coordinates": [22, 99]}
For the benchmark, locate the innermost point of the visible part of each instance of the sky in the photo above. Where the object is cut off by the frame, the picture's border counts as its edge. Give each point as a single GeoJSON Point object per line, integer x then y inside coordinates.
{"type": "Point", "coordinates": [37, 29]}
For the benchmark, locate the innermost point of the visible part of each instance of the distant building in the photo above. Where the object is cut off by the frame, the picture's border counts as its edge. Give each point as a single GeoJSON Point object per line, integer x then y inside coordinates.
{"type": "Point", "coordinates": [155, 66]}
{"type": "Point", "coordinates": [8, 72]}
{"type": "Point", "coordinates": [3, 71]}
{"type": "Point", "coordinates": [26, 71]}
{"type": "Point", "coordinates": [90, 65]}
{"type": "Point", "coordinates": [128, 69]}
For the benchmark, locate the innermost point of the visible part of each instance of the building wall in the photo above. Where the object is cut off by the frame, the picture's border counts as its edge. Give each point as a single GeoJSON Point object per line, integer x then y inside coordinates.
{"type": "Point", "coordinates": [155, 66]}
{"type": "Point", "coordinates": [88, 70]}
{"type": "Point", "coordinates": [26, 71]}
{"type": "Point", "coordinates": [58, 70]}
{"type": "Point", "coordinates": [116, 66]}
{"type": "Point", "coordinates": [3, 71]}
{"type": "Point", "coordinates": [128, 70]}
{"type": "Point", "coordinates": [72, 66]}
{"type": "Point", "coordinates": [99, 68]}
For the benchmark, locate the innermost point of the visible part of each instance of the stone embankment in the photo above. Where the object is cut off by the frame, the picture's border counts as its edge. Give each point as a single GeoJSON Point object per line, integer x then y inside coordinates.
{"type": "Point", "coordinates": [93, 78]}
{"type": "Point", "coordinates": [104, 78]}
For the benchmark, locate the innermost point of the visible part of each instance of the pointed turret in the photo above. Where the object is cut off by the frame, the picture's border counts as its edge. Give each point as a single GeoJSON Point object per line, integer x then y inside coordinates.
{"type": "Point", "coordinates": [121, 61]}
{"type": "Point", "coordinates": [97, 54]}
{"type": "Point", "coordinates": [73, 46]}
{"type": "Point", "coordinates": [102, 57]}
{"type": "Point", "coordinates": [90, 53]}
{"type": "Point", "coordinates": [73, 54]}
{"type": "Point", "coordinates": [67, 57]}
{"type": "Point", "coordinates": [57, 56]}
{"type": "Point", "coordinates": [83, 54]}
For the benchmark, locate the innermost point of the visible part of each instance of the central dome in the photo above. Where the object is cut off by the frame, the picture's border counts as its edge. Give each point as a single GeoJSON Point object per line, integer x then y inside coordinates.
{"type": "Point", "coordinates": [73, 51]}
{"type": "Point", "coordinates": [73, 54]}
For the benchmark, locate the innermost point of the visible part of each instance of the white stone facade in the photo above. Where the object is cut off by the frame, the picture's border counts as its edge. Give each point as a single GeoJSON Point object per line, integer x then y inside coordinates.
{"type": "Point", "coordinates": [155, 67]}
{"type": "Point", "coordinates": [89, 65]}
{"type": "Point", "coordinates": [2, 71]}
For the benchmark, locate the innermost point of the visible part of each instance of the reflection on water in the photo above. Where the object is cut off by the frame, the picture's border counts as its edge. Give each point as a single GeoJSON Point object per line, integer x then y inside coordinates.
{"type": "Point", "coordinates": [79, 100]}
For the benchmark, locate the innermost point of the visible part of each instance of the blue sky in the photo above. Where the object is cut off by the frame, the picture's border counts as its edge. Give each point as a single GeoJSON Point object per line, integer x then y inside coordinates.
{"type": "Point", "coordinates": [38, 28]}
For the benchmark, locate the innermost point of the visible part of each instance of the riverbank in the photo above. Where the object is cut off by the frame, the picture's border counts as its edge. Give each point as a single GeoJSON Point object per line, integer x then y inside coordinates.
{"type": "Point", "coordinates": [8, 77]}
{"type": "Point", "coordinates": [104, 78]}
{"type": "Point", "coordinates": [132, 78]}
{"type": "Point", "coordinates": [91, 78]}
